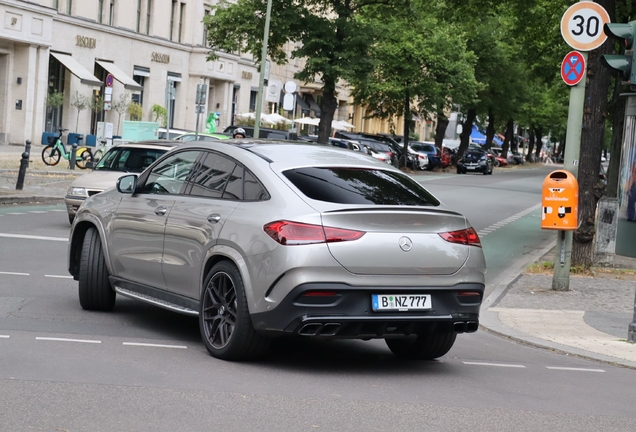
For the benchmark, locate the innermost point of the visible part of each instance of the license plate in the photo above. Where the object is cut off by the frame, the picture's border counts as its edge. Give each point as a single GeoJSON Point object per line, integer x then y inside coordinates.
{"type": "Point", "coordinates": [470, 167]}
{"type": "Point", "coordinates": [401, 302]}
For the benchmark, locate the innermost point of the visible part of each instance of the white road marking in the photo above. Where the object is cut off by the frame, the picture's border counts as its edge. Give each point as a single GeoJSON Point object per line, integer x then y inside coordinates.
{"type": "Point", "coordinates": [154, 345]}
{"type": "Point", "coordinates": [574, 369]}
{"type": "Point", "coordinates": [16, 213]}
{"type": "Point", "coordinates": [15, 274]}
{"type": "Point", "coordinates": [501, 224]}
{"type": "Point", "coordinates": [494, 364]}
{"type": "Point", "coordinates": [4, 336]}
{"type": "Point", "coordinates": [68, 340]}
{"type": "Point", "coordinates": [59, 276]}
{"type": "Point", "coordinates": [38, 211]}
{"type": "Point", "coordinates": [30, 237]}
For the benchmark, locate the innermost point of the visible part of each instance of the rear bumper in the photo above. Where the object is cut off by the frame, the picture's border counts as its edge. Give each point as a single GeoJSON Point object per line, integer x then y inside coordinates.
{"type": "Point", "coordinates": [349, 313]}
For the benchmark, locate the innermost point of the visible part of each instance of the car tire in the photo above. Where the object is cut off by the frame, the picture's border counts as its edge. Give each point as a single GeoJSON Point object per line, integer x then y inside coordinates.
{"type": "Point", "coordinates": [459, 171]}
{"type": "Point", "coordinates": [491, 170]}
{"type": "Point", "coordinates": [95, 292]}
{"type": "Point", "coordinates": [224, 319]}
{"type": "Point", "coordinates": [485, 170]}
{"type": "Point", "coordinates": [426, 346]}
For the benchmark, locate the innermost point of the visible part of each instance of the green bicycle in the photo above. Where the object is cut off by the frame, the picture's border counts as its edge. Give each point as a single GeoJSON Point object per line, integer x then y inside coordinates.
{"type": "Point", "coordinates": [56, 150]}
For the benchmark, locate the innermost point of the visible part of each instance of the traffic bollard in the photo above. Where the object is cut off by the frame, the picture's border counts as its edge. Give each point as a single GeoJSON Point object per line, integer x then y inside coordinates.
{"type": "Point", "coordinates": [71, 160]}
{"type": "Point", "coordinates": [24, 164]}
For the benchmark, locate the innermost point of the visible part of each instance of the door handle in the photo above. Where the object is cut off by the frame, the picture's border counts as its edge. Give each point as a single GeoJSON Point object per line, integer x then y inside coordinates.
{"type": "Point", "coordinates": [161, 210]}
{"type": "Point", "coordinates": [214, 218]}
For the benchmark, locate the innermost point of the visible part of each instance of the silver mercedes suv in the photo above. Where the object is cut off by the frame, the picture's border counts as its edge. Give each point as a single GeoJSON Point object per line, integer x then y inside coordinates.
{"type": "Point", "coordinates": [260, 239]}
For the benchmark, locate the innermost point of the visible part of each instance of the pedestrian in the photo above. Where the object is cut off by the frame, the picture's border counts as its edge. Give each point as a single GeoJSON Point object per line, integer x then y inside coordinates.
{"type": "Point", "coordinates": [238, 133]}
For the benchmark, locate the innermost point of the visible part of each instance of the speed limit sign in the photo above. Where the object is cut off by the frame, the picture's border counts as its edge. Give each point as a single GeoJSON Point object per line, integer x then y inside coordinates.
{"type": "Point", "coordinates": [582, 25]}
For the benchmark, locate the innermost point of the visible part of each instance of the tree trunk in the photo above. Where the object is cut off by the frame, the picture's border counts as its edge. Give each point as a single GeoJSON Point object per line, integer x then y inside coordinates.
{"type": "Point", "coordinates": [406, 127]}
{"type": "Point", "coordinates": [618, 122]}
{"type": "Point", "coordinates": [594, 113]}
{"type": "Point", "coordinates": [490, 130]}
{"type": "Point", "coordinates": [539, 134]}
{"type": "Point", "coordinates": [467, 128]}
{"type": "Point", "coordinates": [328, 105]}
{"type": "Point", "coordinates": [529, 156]}
{"type": "Point", "coordinates": [508, 138]}
{"type": "Point", "coordinates": [440, 130]}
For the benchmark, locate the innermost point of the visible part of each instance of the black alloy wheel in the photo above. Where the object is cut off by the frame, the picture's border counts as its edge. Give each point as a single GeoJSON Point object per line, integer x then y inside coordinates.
{"type": "Point", "coordinates": [224, 320]}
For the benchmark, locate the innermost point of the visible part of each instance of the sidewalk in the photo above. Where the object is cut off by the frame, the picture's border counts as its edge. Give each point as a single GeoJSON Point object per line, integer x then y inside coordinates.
{"type": "Point", "coordinates": [42, 183]}
{"type": "Point", "coordinates": [590, 320]}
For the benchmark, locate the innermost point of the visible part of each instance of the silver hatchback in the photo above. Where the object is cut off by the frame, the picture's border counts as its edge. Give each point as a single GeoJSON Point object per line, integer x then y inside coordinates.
{"type": "Point", "coordinates": [260, 239]}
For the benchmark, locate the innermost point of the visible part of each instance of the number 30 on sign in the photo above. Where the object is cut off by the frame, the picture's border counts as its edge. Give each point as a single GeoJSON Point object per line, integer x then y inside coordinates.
{"type": "Point", "coordinates": [582, 25]}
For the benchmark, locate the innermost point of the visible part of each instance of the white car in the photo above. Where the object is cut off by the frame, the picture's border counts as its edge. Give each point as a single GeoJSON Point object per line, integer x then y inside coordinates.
{"type": "Point", "coordinates": [421, 159]}
{"type": "Point", "coordinates": [118, 160]}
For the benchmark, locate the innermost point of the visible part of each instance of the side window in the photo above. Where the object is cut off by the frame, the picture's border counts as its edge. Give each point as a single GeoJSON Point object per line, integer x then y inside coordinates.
{"type": "Point", "coordinates": [212, 176]}
{"type": "Point", "coordinates": [169, 176]}
{"type": "Point", "coordinates": [253, 190]}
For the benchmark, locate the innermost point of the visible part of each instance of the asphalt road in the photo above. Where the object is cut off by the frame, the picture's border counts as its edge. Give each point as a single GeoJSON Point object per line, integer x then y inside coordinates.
{"type": "Point", "coordinates": [143, 368]}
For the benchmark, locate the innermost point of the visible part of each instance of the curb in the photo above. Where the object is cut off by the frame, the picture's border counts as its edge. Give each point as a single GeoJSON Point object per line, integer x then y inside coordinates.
{"type": "Point", "coordinates": [30, 199]}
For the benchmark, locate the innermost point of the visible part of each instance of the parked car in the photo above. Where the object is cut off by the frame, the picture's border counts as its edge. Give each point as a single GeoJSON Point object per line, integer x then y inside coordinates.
{"type": "Point", "coordinates": [163, 133]}
{"type": "Point", "coordinates": [475, 160]}
{"type": "Point", "coordinates": [395, 148]}
{"type": "Point", "coordinates": [433, 154]}
{"type": "Point", "coordinates": [263, 133]}
{"type": "Point", "coordinates": [448, 156]}
{"type": "Point", "coordinates": [265, 239]}
{"type": "Point", "coordinates": [420, 160]}
{"type": "Point", "coordinates": [517, 158]}
{"type": "Point", "coordinates": [192, 136]}
{"type": "Point", "coordinates": [118, 160]}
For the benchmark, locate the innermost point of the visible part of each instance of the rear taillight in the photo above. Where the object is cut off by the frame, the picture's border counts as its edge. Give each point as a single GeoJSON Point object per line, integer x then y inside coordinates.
{"type": "Point", "coordinates": [466, 236]}
{"type": "Point", "coordinates": [290, 233]}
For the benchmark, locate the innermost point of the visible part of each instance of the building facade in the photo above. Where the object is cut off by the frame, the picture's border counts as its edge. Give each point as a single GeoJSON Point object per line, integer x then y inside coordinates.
{"type": "Point", "coordinates": [53, 53]}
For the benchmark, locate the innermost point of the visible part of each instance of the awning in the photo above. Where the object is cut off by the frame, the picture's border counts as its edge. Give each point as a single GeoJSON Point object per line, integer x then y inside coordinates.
{"type": "Point", "coordinates": [141, 71]}
{"type": "Point", "coordinates": [300, 101]}
{"type": "Point", "coordinates": [312, 104]}
{"type": "Point", "coordinates": [176, 77]}
{"type": "Point", "coordinates": [119, 75]}
{"type": "Point", "coordinates": [77, 69]}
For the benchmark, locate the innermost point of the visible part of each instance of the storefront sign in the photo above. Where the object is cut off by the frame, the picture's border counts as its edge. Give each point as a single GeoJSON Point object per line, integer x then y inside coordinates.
{"type": "Point", "coordinates": [85, 42]}
{"type": "Point", "coordinates": [160, 58]}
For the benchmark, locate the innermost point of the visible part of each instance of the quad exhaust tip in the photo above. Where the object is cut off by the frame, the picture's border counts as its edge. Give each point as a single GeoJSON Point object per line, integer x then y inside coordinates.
{"type": "Point", "coordinates": [465, 327]}
{"type": "Point", "coordinates": [316, 329]}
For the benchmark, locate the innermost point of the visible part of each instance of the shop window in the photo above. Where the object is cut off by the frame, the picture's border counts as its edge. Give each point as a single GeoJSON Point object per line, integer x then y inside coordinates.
{"type": "Point", "coordinates": [253, 96]}
{"type": "Point", "coordinates": [69, 7]}
{"type": "Point", "coordinates": [205, 28]}
{"type": "Point", "coordinates": [100, 11]}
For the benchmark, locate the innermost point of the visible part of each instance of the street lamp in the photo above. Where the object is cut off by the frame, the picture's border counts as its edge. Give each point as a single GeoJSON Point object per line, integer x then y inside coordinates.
{"type": "Point", "coordinates": [259, 99]}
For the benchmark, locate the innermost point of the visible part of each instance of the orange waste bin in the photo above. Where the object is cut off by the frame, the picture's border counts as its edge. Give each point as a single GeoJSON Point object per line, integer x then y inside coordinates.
{"type": "Point", "coordinates": [560, 201]}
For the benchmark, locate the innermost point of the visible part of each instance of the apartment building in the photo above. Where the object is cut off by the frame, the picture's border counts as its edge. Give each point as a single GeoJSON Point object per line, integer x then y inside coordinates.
{"type": "Point", "coordinates": [74, 46]}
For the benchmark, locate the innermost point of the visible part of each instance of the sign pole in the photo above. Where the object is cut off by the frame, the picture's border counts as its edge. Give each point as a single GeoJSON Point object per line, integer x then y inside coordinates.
{"type": "Point", "coordinates": [582, 29]}
{"type": "Point", "coordinates": [563, 259]}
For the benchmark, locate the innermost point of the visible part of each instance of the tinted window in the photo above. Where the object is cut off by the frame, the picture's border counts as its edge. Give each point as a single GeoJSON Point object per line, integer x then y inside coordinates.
{"type": "Point", "coordinates": [128, 159]}
{"type": "Point", "coordinates": [359, 186]}
{"type": "Point", "coordinates": [254, 191]}
{"type": "Point", "coordinates": [234, 188]}
{"type": "Point", "coordinates": [169, 176]}
{"type": "Point", "coordinates": [211, 176]}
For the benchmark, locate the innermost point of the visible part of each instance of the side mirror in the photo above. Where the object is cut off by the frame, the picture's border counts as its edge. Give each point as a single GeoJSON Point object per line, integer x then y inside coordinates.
{"type": "Point", "coordinates": [127, 184]}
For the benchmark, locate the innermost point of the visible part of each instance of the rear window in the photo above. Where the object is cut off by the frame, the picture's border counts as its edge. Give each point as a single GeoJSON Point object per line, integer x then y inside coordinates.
{"type": "Point", "coordinates": [360, 186]}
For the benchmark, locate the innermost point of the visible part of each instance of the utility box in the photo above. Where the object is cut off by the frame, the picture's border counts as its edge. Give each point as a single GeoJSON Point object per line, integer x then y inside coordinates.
{"type": "Point", "coordinates": [560, 201]}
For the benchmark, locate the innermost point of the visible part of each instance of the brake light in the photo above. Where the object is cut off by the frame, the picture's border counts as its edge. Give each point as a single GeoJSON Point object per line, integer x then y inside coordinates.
{"type": "Point", "coordinates": [320, 294]}
{"type": "Point", "coordinates": [466, 236]}
{"type": "Point", "coordinates": [290, 233]}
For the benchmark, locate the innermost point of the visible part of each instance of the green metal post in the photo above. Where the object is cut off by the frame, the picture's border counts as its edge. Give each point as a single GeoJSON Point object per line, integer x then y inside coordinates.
{"type": "Point", "coordinates": [563, 259]}
{"type": "Point", "coordinates": [261, 81]}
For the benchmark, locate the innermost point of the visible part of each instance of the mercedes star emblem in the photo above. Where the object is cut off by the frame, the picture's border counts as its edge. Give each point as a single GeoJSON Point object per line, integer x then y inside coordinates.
{"type": "Point", "coordinates": [405, 244]}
